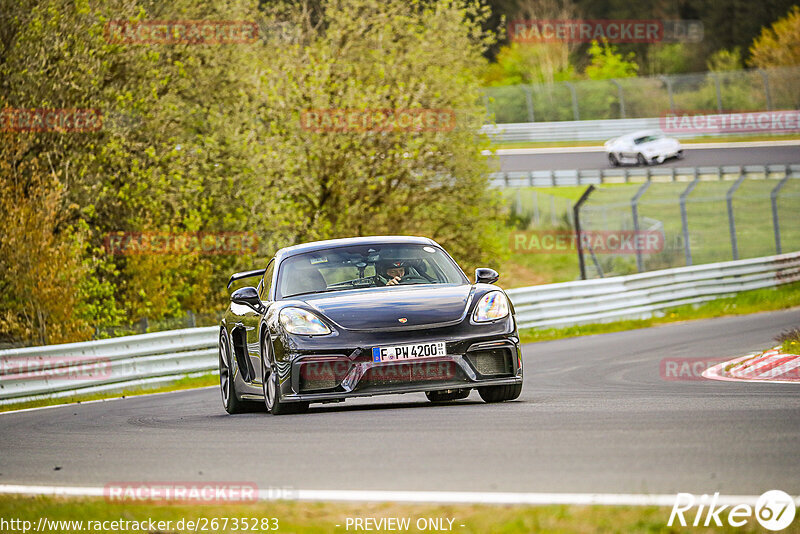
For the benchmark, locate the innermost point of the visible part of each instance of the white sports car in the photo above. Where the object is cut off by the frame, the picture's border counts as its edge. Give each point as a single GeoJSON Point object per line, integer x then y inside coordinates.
{"type": "Point", "coordinates": [642, 148]}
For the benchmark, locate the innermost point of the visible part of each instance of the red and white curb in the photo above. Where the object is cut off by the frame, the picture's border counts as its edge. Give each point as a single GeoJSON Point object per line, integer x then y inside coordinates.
{"type": "Point", "coordinates": [768, 366]}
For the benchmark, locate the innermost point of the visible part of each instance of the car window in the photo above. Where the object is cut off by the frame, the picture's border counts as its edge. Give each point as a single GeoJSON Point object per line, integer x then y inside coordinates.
{"type": "Point", "coordinates": [362, 266]}
{"type": "Point", "coordinates": [646, 139]}
{"type": "Point", "coordinates": [266, 282]}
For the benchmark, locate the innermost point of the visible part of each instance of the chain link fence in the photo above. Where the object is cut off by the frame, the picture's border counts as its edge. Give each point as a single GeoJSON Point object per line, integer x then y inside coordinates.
{"type": "Point", "coordinates": [642, 97]}
{"type": "Point", "coordinates": [698, 222]}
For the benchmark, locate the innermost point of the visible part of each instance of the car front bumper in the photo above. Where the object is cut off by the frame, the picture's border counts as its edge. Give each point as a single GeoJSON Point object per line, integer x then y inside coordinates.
{"type": "Point", "coordinates": [311, 376]}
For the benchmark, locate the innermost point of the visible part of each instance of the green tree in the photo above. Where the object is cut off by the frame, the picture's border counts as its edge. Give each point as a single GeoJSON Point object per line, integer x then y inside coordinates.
{"type": "Point", "coordinates": [208, 139]}
{"type": "Point", "coordinates": [368, 55]}
{"type": "Point", "coordinates": [725, 60]}
{"type": "Point", "coordinates": [778, 45]}
{"type": "Point", "coordinates": [529, 63]}
{"type": "Point", "coordinates": [608, 64]}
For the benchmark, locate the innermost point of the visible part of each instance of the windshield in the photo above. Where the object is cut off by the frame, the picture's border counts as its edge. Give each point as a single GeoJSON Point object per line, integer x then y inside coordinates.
{"type": "Point", "coordinates": [647, 139]}
{"type": "Point", "coordinates": [355, 267]}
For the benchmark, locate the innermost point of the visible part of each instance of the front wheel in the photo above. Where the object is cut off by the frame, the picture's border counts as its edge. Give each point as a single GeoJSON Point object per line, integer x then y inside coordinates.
{"type": "Point", "coordinates": [612, 159]}
{"type": "Point", "coordinates": [226, 374]}
{"type": "Point", "coordinates": [271, 388]}
{"type": "Point", "coordinates": [640, 159]}
{"type": "Point", "coordinates": [500, 393]}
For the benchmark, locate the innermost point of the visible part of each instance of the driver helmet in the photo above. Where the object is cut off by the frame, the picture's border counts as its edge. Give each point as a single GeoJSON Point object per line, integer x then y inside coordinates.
{"type": "Point", "coordinates": [392, 265]}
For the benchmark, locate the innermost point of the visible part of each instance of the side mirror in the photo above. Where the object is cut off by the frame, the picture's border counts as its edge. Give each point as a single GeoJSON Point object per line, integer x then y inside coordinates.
{"type": "Point", "coordinates": [247, 296]}
{"type": "Point", "coordinates": [484, 275]}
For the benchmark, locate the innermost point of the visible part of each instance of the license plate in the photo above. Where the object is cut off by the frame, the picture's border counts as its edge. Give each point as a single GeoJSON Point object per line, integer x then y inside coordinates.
{"type": "Point", "coordinates": [408, 352]}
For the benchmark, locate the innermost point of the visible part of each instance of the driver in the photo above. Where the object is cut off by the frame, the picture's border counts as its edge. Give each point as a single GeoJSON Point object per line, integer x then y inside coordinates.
{"type": "Point", "coordinates": [392, 271]}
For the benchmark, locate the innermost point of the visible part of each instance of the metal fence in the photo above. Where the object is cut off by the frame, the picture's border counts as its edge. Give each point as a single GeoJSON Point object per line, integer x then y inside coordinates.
{"type": "Point", "coordinates": [632, 175]}
{"type": "Point", "coordinates": [107, 364]}
{"type": "Point", "coordinates": [605, 129]}
{"type": "Point", "coordinates": [639, 296]}
{"type": "Point", "coordinates": [654, 96]}
{"type": "Point", "coordinates": [701, 215]}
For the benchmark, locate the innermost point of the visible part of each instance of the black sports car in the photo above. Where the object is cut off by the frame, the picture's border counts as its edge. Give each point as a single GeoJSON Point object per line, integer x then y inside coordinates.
{"type": "Point", "coordinates": [366, 316]}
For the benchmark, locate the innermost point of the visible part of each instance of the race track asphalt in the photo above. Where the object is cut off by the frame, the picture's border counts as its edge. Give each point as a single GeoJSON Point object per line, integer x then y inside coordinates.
{"type": "Point", "coordinates": [712, 157]}
{"type": "Point", "coordinates": [595, 415]}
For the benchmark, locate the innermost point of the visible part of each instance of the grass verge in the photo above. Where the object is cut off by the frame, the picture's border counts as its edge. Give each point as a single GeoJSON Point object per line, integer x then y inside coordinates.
{"type": "Point", "coordinates": [183, 383]}
{"type": "Point", "coordinates": [324, 517]}
{"type": "Point", "coordinates": [758, 300]}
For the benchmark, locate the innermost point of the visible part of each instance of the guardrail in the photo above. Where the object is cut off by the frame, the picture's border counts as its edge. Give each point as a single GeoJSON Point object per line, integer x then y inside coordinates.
{"type": "Point", "coordinates": [115, 364]}
{"type": "Point", "coordinates": [622, 175]}
{"type": "Point", "coordinates": [638, 296]}
{"type": "Point", "coordinates": [605, 129]}
{"type": "Point", "coordinates": [107, 364]}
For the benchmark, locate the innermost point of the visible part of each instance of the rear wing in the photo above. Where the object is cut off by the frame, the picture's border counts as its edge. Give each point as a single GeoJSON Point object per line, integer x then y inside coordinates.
{"type": "Point", "coordinates": [245, 274]}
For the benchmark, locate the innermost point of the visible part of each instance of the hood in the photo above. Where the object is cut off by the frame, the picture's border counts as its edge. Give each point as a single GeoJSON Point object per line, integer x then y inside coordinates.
{"type": "Point", "coordinates": [381, 308]}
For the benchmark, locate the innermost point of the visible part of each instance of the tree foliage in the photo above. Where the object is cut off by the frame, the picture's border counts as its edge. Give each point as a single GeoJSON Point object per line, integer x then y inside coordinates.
{"type": "Point", "coordinates": [608, 64]}
{"type": "Point", "coordinates": [208, 139]}
{"type": "Point", "coordinates": [778, 45]}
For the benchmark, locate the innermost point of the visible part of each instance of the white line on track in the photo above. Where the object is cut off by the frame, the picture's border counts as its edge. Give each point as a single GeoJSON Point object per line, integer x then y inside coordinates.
{"type": "Point", "coordinates": [428, 497]}
{"type": "Point", "coordinates": [686, 147]}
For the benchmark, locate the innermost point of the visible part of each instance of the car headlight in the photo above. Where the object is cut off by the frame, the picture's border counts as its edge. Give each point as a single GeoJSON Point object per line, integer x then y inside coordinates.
{"type": "Point", "coordinates": [493, 305]}
{"type": "Point", "coordinates": [300, 321]}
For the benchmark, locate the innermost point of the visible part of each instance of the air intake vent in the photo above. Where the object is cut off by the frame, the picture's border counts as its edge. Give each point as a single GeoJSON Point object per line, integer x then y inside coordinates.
{"type": "Point", "coordinates": [492, 362]}
{"type": "Point", "coordinates": [322, 375]}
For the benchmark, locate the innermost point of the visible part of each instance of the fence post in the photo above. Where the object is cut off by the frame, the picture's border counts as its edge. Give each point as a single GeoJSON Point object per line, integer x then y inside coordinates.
{"type": "Point", "coordinates": [529, 102]}
{"type": "Point", "coordinates": [621, 98]}
{"type": "Point", "coordinates": [767, 96]}
{"type": "Point", "coordinates": [773, 197]}
{"type": "Point", "coordinates": [668, 81]}
{"type": "Point", "coordinates": [575, 113]}
{"type": "Point", "coordinates": [570, 216]}
{"type": "Point", "coordinates": [719, 91]}
{"type": "Point", "coordinates": [685, 217]}
{"type": "Point", "coordinates": [731, 221]}
{"type": "Point", "coordinates": [576, 212]}
{"type": "Point", "coordinates": [635, 212]}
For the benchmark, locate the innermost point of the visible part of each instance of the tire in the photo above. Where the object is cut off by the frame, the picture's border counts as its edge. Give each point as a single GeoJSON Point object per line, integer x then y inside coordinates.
{"type": "Point", "coordinates": [227, 384]}
{"type": "Point", "coordinates": [500, 393]}
{"type": "Point", "coordinates": [679, 154]}
{"type": "Point", "coordinates": [271, 388]}
{"type": "Point", "coordinates": [612, 159]}
{"type": "Point", "coordinates": [445, 396]}
{"type": "Point", "coordinates": [640, 159]}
